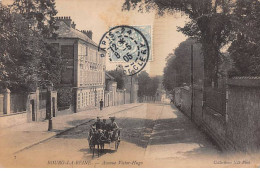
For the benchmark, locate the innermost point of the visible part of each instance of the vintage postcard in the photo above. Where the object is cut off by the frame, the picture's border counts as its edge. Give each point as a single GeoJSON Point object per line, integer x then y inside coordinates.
{"type": "Point", "coordinates": [129, 83]}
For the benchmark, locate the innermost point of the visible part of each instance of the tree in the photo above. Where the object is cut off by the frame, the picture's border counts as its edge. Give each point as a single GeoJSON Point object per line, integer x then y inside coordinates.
{"type": "Point", "coordinates": [143, 80]}
{"type": "Point", "coordinates": [177, 70]}
{"type": "Point", "coordinates": [169, 74]}
{"type": "Point", "coordinates": [119, 77]}
{"type": "Point", "coordinates": [153, 86]}
{"type": "Point", "coordinates": [40, 13]}
{"type": "Point", "coordinates": [245, 48]}
{"type": "Point", "coordinates": [178, 67]}
{"type": "Point", "coordinates": [147, 86]}
{"type": "Point", "coordinates": [26, 61]}
{"type": "Point", "coordinates": [210, 23]}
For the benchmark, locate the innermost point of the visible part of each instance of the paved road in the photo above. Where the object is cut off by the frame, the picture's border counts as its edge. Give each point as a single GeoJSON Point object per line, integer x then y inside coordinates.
{"type": "Point", "coordinates": [153, 135]}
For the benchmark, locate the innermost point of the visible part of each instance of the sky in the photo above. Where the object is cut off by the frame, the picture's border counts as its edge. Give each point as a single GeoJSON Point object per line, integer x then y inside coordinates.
{"type": "Point", "coordinates": [100, 15]}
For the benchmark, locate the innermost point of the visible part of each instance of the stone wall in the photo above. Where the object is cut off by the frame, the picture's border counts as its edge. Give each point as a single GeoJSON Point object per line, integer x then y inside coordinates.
{"type": "Point", "coordinates": [197, 105]}
{"type": "Point", "coordinates": [13, 119]}
{"type": "Point", "coordinates": [243, 114]}
{"type": "Point", "coordinates": [119, 97]}
{"type": "Point", "coordinates": [186, 100]}
{"type": "Point", "coordinates": [32, 109]}
{"type": "Point", "coordinates": [239, 127]}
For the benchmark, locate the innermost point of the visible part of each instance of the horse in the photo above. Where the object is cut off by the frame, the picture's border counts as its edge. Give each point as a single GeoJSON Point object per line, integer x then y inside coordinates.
{"type": "Point", "coordinates": [96, 138]}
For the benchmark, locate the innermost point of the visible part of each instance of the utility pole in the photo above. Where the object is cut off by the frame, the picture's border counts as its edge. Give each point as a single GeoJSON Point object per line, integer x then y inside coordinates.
{"type": "Point", "coordinates": [191, 81]}
{"type": "Point", "coordinates": [131, 91]}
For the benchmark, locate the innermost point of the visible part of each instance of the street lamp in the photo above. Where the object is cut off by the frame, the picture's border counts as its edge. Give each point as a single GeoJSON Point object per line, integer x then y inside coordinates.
{"type": "Point", "coordinates": [95, 97]}
{"type": "Point", "coordinates": [48, 105]}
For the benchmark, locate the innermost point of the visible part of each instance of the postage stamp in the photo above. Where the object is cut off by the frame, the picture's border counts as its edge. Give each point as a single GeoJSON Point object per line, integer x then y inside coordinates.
{"type": "Point", "coordinates": [127, 45]}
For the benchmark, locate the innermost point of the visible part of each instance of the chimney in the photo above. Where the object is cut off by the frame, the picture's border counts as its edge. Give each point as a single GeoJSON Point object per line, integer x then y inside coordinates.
{"type": "Point", "coordinates": [66, 20]}
{"type": "Point", "coordinates": [89, 34]}
{"type": "Point", "coordinates": [73, 25]}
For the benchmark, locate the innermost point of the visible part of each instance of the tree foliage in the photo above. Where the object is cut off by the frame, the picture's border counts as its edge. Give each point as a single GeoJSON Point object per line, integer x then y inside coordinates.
{"type": "Point", "coordinates": [178, 67]}
{"type": "Point", "coordinates": [216, 23]}
{"type": "Point", "coordinates": [26, 61]}
{"type": "Point", "coordinates": [119, 78]}
{"type": "Point", "coordinates": [40, 13]}
{"type": "Point", "coordinates": [209, 23]}
{"type": "Point", "coordinates": [245, 48]}
{"type": "Point", "coordinates": [177, 70]}
{"type": "Point", "coordinates": [147, 86]}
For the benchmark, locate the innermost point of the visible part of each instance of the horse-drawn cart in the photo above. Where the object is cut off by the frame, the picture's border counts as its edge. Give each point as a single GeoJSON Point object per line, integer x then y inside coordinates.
{"type": "Point", "coordinates": [100, 137]}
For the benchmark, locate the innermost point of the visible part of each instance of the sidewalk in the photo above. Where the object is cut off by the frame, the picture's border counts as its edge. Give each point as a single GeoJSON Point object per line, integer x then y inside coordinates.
{"type": "Point", "coordinates": [20, 137]}
{"type": "Point", "coordinates": [176, 141]}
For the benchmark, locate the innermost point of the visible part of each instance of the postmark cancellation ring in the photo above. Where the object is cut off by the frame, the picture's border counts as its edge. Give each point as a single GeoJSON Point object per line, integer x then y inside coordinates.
{"type": "Point", "coordinates": [126, 45]}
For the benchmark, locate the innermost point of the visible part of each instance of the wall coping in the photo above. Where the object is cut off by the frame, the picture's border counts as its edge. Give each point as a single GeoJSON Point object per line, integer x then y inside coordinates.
{"type": "Point", "coordinates": [12, 114]}
{"type": "Point", "coordinates": [244, 81]}
{"type": "Point", "coordinates": [247, 77]}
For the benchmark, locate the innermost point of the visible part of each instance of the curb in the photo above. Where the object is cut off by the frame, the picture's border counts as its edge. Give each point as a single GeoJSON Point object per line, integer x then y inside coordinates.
{"type": "Point", "coordinates": [69, 129]}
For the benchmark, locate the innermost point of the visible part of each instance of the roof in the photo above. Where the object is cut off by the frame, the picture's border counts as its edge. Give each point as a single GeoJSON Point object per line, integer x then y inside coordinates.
{"type": "Point", "coordinates": [108, 76]}
{"type": "Point", "coordinates": [64, 31]}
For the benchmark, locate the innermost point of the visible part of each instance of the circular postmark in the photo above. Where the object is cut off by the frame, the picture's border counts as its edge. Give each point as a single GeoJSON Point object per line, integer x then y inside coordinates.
{"type": "Point", "coordinates": [127, 45]}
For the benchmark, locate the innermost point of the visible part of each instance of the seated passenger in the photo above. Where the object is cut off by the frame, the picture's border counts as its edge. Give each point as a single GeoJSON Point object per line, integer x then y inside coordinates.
{"type": "Point", "coordinates": [98, 124]}
{"type": "Point", "coordinates": [113, 128]}
{"type": "Point", "coordinates": [96, 128]}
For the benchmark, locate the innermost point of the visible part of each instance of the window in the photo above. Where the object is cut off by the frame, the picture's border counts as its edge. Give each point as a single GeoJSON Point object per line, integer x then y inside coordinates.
{"type": "Point", "coordinates": [82, 100]}
{"type": "Point", "coordinates": [78, 100]}
{"type": "Point", "coordinates": [86, 98]}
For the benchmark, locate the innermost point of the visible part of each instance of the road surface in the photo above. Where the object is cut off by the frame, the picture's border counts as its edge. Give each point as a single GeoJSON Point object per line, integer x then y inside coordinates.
{"type": "Point", "coordinates": [153, 135]}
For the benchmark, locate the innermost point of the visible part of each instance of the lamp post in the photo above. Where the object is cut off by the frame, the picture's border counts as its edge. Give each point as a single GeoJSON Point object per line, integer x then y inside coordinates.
{"type": "Point", "coordinates": [48, 105]}
{"type": "Point", "coordinates": [95, 97]}
{"type": "Point", "coordinates": [131, 91]}
{"type": "Point", "coordinates": [192, 83]}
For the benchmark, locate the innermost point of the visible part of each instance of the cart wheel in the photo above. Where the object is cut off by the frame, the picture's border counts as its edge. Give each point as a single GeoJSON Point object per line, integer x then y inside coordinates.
{"type": "Point", "coordinates": [116, 145]}
{"type": "Point", "coordinates": [89, 143]}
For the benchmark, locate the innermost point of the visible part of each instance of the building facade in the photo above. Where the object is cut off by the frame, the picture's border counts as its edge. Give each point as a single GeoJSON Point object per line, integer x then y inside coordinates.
{"type": "Point", "coordinates": [83, 80]}
{"type": "Point", "coordinates": [114, 96]}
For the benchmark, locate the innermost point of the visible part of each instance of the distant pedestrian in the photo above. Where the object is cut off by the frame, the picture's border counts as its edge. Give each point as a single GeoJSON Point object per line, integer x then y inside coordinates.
{"type": "Point", "coordinates": [101, 103]}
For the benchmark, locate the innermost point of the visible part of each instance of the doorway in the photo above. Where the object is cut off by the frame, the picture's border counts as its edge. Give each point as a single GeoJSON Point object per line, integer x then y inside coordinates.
{"type": "Point", "coordinates": [33, 110]}
{"type": "Point", "coordinates": [53, 107]}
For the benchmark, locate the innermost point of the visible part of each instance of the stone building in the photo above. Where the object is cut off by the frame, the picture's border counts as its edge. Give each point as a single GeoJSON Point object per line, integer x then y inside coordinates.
{"type": "Point", "coordinates": [83, 81]}
{"type": "Point", "coordinates": [114, 96]}
{"type": "Point", "coordinates": [110, 91]}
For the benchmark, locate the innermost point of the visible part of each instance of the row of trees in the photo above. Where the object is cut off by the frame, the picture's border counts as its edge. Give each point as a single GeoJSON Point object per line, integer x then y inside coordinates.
{"type": "Point", "coordinates": [177, 70]}
{"type": "Point", "coordinates": [26, 60]}
{"type": "Point", "coordinates": [147, 86]}
{"type": "Point", "coordinates": [217, 24]}
{"type": "Point", "coordinates": [119, 78]}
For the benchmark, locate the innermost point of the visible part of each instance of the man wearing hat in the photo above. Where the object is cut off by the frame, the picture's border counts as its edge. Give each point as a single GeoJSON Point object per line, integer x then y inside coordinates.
{"type": "Point", "coordinates": [95, 127]}
{"type": "Point", "coordinates": [105, 128]}
{"type": "Point", "coordinates": [97, 124]}
{"type": "Point", "coordinates": [113, 128]}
